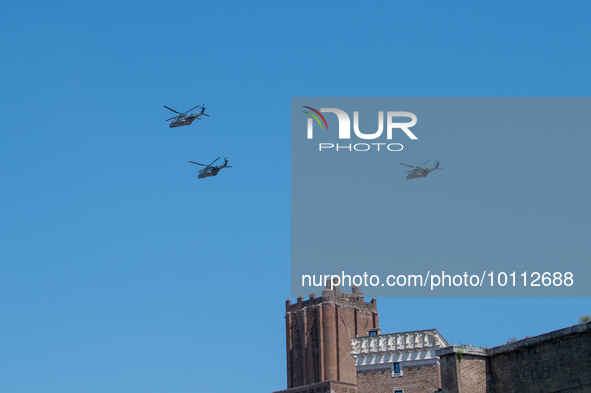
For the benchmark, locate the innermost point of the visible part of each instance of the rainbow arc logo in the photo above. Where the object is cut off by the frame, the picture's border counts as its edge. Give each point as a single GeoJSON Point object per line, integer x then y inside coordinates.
{"type": "Point", "coordinates": [315, 117]}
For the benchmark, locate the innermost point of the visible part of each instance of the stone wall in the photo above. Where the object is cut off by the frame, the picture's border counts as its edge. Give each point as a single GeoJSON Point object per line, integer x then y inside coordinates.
{"type": "Point", "coordinates": [558, 361]}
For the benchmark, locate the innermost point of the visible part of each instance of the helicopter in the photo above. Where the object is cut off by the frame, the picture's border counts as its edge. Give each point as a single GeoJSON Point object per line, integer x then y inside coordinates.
{"type": "Point", "coordinates": [210, 170]}
{"type": "Point", "coordinates": [183, 119]}
{"type": "Point", "coordinates": [417, 171]}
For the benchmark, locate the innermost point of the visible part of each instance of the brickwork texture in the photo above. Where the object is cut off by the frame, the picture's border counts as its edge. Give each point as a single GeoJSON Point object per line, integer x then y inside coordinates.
{"type": "Point", "coordinates": [414, 379]}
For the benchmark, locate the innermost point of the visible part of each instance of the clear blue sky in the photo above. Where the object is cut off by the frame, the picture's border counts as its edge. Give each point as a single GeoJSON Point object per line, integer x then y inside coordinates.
{"type": "Point", "coordinates": [121, 271]}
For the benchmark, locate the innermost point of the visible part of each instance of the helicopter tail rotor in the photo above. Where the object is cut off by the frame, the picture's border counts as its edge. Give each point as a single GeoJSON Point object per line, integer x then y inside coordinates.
{"type": "Point", "coordinates": [203, 110]}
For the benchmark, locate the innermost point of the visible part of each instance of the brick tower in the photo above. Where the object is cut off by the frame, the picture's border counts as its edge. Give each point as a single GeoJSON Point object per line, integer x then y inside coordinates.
{"type": "Point", "coordinates": [318, 338]}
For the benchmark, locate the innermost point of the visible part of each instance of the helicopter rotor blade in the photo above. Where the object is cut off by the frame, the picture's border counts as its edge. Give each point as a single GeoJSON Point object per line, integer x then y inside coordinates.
{"type": "Point", "coordinates": [408, 171]}
{"type": "Point", "coordinates": [171, 118]}
{"type": "Point", "coordinates": [196, 163]}
{"type": "Point", "coordinates": [410, 166]}
{"type": "Point", "coordinates": [170, 109]}
{"type": "Point", "coordinates": [423, 164]}
{"type": "Point", "coordinates": [192, 109]}
{"type": "Point", "coordinates": [214, 161]}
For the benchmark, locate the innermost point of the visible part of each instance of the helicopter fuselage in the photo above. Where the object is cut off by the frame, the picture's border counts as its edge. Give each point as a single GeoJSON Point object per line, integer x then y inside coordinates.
{"type": "Point", "coordinates": [420, 172]}
{"type": "Point", "coordinates": [416, 173]}
{"type": "Point", "coordinates": [209, 171]}
{"type": "Point", "coordinates": [183, 120]}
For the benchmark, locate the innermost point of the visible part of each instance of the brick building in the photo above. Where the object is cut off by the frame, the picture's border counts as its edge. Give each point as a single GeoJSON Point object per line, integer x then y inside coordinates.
{"type": "Point", "coordinates": [334, 344]}
{"type": "Point", "coordinates": [318, 338]}
{"type": "Point", "coordinates": [398, 362]}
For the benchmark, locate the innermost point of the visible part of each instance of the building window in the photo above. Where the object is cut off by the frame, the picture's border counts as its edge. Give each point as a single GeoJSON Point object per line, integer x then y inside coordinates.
{"type": "Point", "coordinates": [396, 370]}
{"type": "Point", "coordinates": [398, 391]}
{"type": "Point", "coordinates": [373, 332]}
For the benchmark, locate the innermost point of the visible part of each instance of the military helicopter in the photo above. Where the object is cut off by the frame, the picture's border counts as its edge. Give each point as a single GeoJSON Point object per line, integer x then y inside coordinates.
{"type": "Point", "coordinates": [210, 170]}
{"type": "Point", "coordinates": [183, 119]}
{"type": "Point", "coordinates": [417, 171]}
